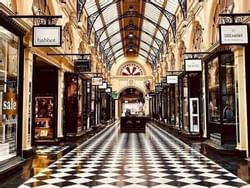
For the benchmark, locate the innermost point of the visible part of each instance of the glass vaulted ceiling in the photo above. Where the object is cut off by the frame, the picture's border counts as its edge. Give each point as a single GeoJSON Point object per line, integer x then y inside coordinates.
{"type": "Point", "coordinates": [149, 37]}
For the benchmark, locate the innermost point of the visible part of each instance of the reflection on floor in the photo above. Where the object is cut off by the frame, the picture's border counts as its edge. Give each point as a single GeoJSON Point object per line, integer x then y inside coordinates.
{"type": "Point", "coordinates": [114, 159]}
{"type": "Point", "coordinates": [41, 150]}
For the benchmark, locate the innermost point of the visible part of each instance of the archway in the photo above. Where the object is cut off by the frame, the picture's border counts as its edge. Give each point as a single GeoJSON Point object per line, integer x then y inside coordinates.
{"type": "Point", "coordinates": [131, 100]}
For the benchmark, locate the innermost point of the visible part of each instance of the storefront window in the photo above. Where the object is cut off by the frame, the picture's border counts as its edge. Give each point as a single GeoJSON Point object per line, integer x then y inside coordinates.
{"type": "Point", "coordinates": [228, 89]}
{"type": "Point", "coordinates": [221, 89]}
{"type": "Point", "coordinates": [213, 91]}
{"type": "Point", "coordinates": [185, 103]}
{"type": "Point", "coordinates": [8, 93]}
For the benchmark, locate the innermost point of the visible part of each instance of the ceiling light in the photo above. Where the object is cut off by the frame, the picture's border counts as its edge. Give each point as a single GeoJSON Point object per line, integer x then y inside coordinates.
{"type": "Point", "coordinates": [130, 34]}
{"type": "Point", "coordinates": [130, 49]}
{"type": "Point", "coordinates": [131, 8]}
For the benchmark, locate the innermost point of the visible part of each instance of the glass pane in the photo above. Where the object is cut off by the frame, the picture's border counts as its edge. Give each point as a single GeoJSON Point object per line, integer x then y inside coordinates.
{"type": "Point", "coordinates": [8, 93]}
{"type": "Point", "coordinates": [185, 103]}
{"type": "Point", "coordinates": [213, 91]}
{"type": "Point", "coordinates": [227, 85]}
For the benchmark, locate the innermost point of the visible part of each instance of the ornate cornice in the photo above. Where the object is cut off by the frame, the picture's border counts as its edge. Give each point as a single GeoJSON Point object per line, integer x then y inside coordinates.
{"type": "Point", "coordinates": [4, 13]}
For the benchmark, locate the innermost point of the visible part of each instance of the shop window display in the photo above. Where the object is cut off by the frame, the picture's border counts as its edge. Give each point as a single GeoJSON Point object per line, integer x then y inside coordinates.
{"type": "Point", "coordinates": [8, 93]}
{"type": "Point", "coordinates": [213, 91]}
{"type": "Point", "coordinates": [228, 88]}
{"type": "Point", "coordinates": [44, 116]}
{"type": "Point", "coordinates": [221, 89]}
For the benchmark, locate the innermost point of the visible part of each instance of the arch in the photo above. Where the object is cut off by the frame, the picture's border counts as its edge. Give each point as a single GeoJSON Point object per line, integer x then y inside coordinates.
{"type": "Point", "coordinates": [104, 42]}
{"type": "Point", "coordinates": [122, 66]}
{"type": "Point", "coordinates": [134, 87]}
{"type": "Point", "coordinates": [169, 16]}
{"type": "Point", "coordinates": [163, 31]}
{"type": "Point", "coordinates": [211, 26]}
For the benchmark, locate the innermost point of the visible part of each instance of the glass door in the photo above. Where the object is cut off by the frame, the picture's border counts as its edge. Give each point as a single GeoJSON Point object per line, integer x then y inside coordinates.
{"type": "Point", "coordinates": [194, 115]}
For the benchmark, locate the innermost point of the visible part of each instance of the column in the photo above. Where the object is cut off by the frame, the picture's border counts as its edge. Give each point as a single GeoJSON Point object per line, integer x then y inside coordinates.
{"type": "Point", "coordinates": [27, 100]}
{"type": "Point", "coordinates": [240, 79]}
{"type": "Point", "coordinates": [60, 103]}
{"type": "Point", "coordinates": [116, 109]}
{"type": "Point", "coordinates": [146, 107]}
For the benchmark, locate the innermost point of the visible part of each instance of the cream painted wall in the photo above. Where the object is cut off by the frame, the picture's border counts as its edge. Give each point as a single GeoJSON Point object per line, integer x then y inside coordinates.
{"type": "Point", "coordinates": [119, 82]}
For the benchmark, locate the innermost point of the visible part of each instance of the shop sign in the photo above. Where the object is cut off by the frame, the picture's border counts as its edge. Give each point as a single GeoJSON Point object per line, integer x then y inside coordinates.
{"type": "Point", "coordinates": [82, 65]}
{"type": "Point", "coordinates": [103, 86]}
{"type": "Point", "coordinates": [47, 36]}
{"type": "Point", "coordinates": [172, 79]}
{"type": "Point", "coordinates": [9, 103]}
{"type": "Point", "coordinates": [114, 95]}
{"type": "Point", "coordinates": [158, 88]}
{"type": "Point", "coordinates": [151, 94]}
{"type": "Point", "coordinates": [234, 34]}
{"type": "Point", "coordinates": [193, 65]}
{"type": "Point", "coordinates": [96, 81]}
{"type": "Point", "coordinates": [108, 90]}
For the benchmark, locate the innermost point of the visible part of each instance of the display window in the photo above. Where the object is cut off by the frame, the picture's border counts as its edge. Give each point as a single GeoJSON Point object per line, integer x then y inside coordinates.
{"type": "Point", "coordinates": [227, 88]}
{"type": "Point", "coordinates": [73, 104]}
{"type": "Point", "coordinates": [9, 53]}
{"type": "Point", "coordinates": [221, 89]}
{"type": "Point", "coordinates": [213, 91]}
{"type": "Point", "coordinates": [44, 117]}
{"type": "Point", "coordinates": [184, 109]}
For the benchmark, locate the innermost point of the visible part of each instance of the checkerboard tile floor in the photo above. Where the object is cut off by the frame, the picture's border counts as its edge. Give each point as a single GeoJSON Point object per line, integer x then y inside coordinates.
{"type": "Point", "coordinates": [134, 160]}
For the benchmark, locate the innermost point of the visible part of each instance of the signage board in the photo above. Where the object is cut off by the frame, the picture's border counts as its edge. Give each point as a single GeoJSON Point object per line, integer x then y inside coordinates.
{"type": "Point", "coordinates": [47, 36]}
{"type": "Point", "coordinates": [172, 79]}
{"type": "Point", "coordinates": [233, 34]}
{"type": "Point", "coordinates": [158, 88]}
{"type": "Point", "coordinates": [82, 65]}
{"type": "Point", "coordinates": [114, 95]}
{"type": "Point", "coordinates": [103, 86]}
{"type": "Point", "coordinates": [96, 81]}
{"type": "Point", "coordinates": [193, 65]}
{"type": "Point", "coordinates": [108, 90]}
{"type": "Point", "coordinates": [9, 105]}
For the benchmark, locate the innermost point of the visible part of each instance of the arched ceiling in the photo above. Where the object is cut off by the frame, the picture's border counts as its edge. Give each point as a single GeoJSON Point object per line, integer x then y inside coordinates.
{"type": "Point", "coordinates": [132, 27]}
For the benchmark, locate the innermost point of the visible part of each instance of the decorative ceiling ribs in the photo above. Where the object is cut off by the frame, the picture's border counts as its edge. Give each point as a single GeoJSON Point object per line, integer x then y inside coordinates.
{"type": "Point", "coordinates": [183, 5]}
{"type": "Point", "coordinates": [110, 61]}
{"type": "Point", "coordinates": [131, 11]}
{"type": "Point", "coordinates": [155, 50]}
{"type": "Point", "coordinates": [170, 17]}
{"type": "Point", "coordinates": [92, 18]}
{"type": "Point", "coordinates": [79, 8]}
{"type": "Point", "coordinates": [128, 14]}
{"type": "Point", "coordinates": [103, 43]}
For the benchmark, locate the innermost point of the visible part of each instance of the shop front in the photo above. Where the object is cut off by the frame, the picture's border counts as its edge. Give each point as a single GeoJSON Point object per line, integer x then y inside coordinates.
{"type": "Point", "coordinates": [11, 69]}
{"type": "Point", "coordinates": [190, 91]}
{"type": "Point", "coordinates": [247, 76]}
{"type": "Point", "coordinates": [45, 98]}
{"type": "Point", "coordinates": [73, 105]}
{"type": "Point", "coordinates": [221, 105]}
{"type": "Point", "coordinates": [172, 99]}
